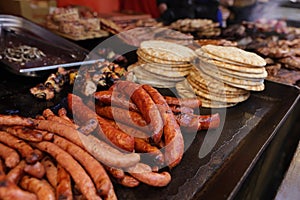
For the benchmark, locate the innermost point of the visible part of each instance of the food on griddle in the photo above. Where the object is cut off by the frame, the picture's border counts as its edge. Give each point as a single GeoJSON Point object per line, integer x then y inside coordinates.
{"type": "Point", "coordinates": [203, 27]}
{"type": "Point", "coordinates": [83, 162]}
{"type": "Point", "coordinates": [161, 64]}
{"type": "Point", "coordinates": [73, 23]}
{"type": "Point", "coordinates": [88, 79]}
{"type": "Point", "coordinates": [223, 76]}
{"type": "Point", "coordinates": [23, 54]}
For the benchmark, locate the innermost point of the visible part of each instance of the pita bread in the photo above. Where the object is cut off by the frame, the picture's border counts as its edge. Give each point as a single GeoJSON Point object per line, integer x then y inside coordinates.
{"type": "Point", "coordinates": [165, 72]}
{"type": "Point", "coordinates": [234, 54]}
{"type": "Point", "coordinates": [167, 51]}
{"type": "Point", "coordinates": [205, 58]}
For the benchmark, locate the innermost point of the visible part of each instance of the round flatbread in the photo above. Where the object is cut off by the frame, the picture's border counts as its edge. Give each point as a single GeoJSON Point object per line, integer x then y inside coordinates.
{"type": "Point", "coordinates": [235, 54]}
{"type": "Point", "coordinates": [219, 97]}
{"type": "Point", "coordinates": [184, 91]}
{"type": "Point", "coordinates": [167, 51]}
{"type": "Point", "coordinates": [151, 59]}
{"type": "Point", "coordinates": [212, 83]}
{"type": "Point", "coordinates": [165, 71]}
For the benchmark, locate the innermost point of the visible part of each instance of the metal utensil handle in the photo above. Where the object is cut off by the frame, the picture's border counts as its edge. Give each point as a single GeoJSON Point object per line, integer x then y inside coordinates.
{"type": "Point", "coordinates": [42, 68]}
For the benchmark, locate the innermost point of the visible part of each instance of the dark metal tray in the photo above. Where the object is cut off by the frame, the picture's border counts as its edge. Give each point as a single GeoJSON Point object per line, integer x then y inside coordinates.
{"type": "Point", "coordinates": [15, 31]}
{"type": "Point", "coordinates": [235, 147]}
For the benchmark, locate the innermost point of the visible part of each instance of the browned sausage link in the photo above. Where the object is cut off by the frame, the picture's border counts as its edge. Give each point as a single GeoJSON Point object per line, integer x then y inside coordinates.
{"type": "Point", "coordinates": [41, 188]}
{"type": "Point", "coordinates": [14, 120]}
{"type": "Point", "coordinates": [10, 156]}
{"type": "Point", "coordinates": [116, 99]}
{"type": "Point", "coordinates": [115, 136]}
{"type": "Point", "coordinates": [63, 188]}
{"type": "Point", "coordinates": [121, 115]}
{"type": "Point", "coordinates": [59, 129]}
{"type": "Point", "coordinates": [49, 115]}
{"type": "Point", "coordinates": [128, 181]}
{"type": "Point", "coordinates": [88, 127]}
{"type": "Point", "coordinates": [198, 122]}
{"type": "Point", "coordinates": [109, 155]}
{"type": "Point", "coordinates": [51, 170]}
{"type": "Point", "coordinates": [22, 147]}
{"type": "Point", "coordinates": [143, 173]}
{"type": "Point", "coordinates": [78, 174]}
{"type": "Point", "coordinates": [185, 102]}
{"type": "Point", "coordinates": [9, 190]}
{"type": "Point", "coordinates": [24, 133]}
{"type": "Point", "coordinates": [181, 109]}
{"type": "Point", "coordinates": [36, 170]}
{"type": "Point", "coordinates": [129, 130]}
{"type": "Point", "coordinates": [172, 134]}
{"type": "Point", "coordinates": [2, 168]}
{"type": "Point", "coordinates": [142, 146]}
{"type": "Point", "coordinates": [15, 174]}
{"type": "Point", "coordinates": [91, 165]}
{"type": "Point", "coordinates": [62, 112]}
{"type": "Point", "coordinates": [117, 173]}
{"type": "Point", "coordinates": [146, 106]}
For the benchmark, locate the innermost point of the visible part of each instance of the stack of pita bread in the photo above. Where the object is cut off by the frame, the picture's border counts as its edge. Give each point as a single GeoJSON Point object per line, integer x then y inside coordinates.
{"type": "Point", "coordinates": [162, 64]}
{"type": "Point", "coordinates": [224, 76]}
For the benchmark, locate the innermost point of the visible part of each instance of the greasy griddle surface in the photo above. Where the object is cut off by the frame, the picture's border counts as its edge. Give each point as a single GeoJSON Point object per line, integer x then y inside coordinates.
{"type": "Point", "coordinates": [263, 109]}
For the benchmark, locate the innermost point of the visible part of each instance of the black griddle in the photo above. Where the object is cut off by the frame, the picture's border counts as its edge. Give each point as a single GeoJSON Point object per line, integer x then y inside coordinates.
{"type": "Point", "coordinates": [246, 129]}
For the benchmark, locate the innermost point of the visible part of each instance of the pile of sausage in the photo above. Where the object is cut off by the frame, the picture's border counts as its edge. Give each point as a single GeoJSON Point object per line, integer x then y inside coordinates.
{"type": "Point", "coordinates": [55, 157]}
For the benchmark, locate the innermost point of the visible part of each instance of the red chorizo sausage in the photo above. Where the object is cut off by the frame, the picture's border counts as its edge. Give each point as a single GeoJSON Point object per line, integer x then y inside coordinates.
{"type": "Point", "coordinates": [115, 136]}
{"type": "Point", "coordinates": [185, 102]}
{"type": "Point", "coordinates": [174, 144]}
{"type": "Point", "coordinates": [146, 106]}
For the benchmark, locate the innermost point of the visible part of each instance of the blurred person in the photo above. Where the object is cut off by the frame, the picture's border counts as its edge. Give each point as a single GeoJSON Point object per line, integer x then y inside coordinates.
{"type": "Point", "coordinates": [172, 10]}
{"type": "Point", "coordinates": [242, 10]}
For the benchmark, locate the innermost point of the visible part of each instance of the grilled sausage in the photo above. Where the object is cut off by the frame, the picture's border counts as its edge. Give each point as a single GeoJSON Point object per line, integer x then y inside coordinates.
{"type": "Point", "coordinates": [146, 106]}
{"type": "Point", "coordinates": [10, 156]}
{"type": "Point", "coordinates": [22, 147]}
{"type": "Point", "coordinates": [174, 144]}
{"type": "Point", "coordinates": [108, 155]}
{"type": "Point", "coordinates": [51, 170]}
{"type": "Point", "coordinates": [198, 122]}
{"type": "Point", "coordinates": [63, 188]}
{"type": "Point", "coordinates": [143, 173]}
{"type": "Point", "coordinates": [15, 174]}
{"type": "Point", "coordinates": [115, 99]}
{"type": "Point", "coordinates": [36, 170]}
{"type": "Point", "coordinates": [41, 188]}
{"type": "Point", "coordinates": [128, 181]}
{"type": "Point", "coordinates": [91, 165]}
{"type": "Point", "coordinates": [123, 116]}
{"type": "Point", "coordinates": [78, 174]}
{"type": "Point", "coordinates": [9, 190]}
{"type": "Point", "coordinates": [24, 133]}
{"type": "Point", "coordinates": [14, 120]}
{"type": "Point", "coordinates": [115, 136]}
{"type": "Point", "coordinates": [49, 115]}
{"type": "Point", "coordinates": [184, 102]}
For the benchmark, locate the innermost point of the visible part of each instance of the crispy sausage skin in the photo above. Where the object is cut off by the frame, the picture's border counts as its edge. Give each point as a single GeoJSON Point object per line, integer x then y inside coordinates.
{"type": "Point", "coordinates": [78, 174]}
{"type": "Point", "coordinates": [120, 115]}
{"type": "Point", "coordinates": [22, 147]}
{"type": "Point", "coordinates": [115, 136]}
{"type": "Point", "coordinates": [10, 156]}
{"type": "Point", "coordinates": [9, 190]}
{"type": "Point", "coordinates": [41, 188]}
{"type": "Point", "coordinates": [36, 170]}
{"type": "Point", "coordinates": [64, 187]}
{"type": "Point", "coordinates": [24, 133]}
{"type": "Point", "coordinates": [198, 122]}
{"type": "Point", "coordinates": [143, 173]}
{"type": "Point", "coordinates": [91, 165]}
{"type": "Point", "coordinates": [184, 102]}
{"type": "Point", "coordinates": [128, 181]}
{"type": "Point", "coordinates": [15, 174]}
{"type": "Point", "coordinates": [174, 144]}
{"type": "Point", "coordinates": [15, 120]}
{"type": "Point", "coordinates": [51, 170]}
{"type": "Point", "coordinates": [115, 99]}
{"type": "Point", "coordinates": [145, 104]}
